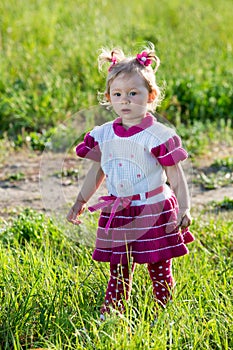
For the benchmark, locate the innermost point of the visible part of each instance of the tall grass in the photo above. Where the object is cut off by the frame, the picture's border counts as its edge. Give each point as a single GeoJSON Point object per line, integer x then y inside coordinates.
{"type": "Point", "coordinates": [51, 292]}
{"type": "Point", "coordinates": [49, 49]}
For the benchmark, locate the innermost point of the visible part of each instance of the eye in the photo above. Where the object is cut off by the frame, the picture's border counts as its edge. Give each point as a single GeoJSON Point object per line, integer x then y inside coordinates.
{"type": "Point", "coordinates": [117, 94]}
{"type": "Point", "coordinates": [133, 93]}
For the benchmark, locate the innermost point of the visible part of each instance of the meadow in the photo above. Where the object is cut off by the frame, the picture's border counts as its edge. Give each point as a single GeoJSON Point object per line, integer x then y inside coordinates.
{"type": "Point", "coordinates": [51, 291]}
{"type": "Point", "coordinates": [49, 57]}
{"type": "Point", "coordinates": [50, 288]}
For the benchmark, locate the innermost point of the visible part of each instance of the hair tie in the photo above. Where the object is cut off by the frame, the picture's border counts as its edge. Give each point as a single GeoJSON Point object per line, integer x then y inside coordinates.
{"type": "Point", "coordinates": [143, 59]}
{"type": "Point", "coordinates": [114, 61]}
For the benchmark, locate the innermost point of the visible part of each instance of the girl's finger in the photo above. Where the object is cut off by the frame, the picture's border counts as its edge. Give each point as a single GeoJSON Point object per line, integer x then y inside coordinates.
{"type": "Point", "coordinates": [76, 222]}
{"type": "Point", "coordinates": [185, 222]}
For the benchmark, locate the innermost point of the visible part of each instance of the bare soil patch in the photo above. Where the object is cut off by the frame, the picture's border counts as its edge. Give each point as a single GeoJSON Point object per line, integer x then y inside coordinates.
{"type": "Point", "coordinates": [49, 181]}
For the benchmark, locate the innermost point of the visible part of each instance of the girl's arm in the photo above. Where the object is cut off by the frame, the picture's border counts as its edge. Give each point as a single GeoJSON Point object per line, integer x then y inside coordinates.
{"type": "Point", "coordinates": [179, 185]}
{"type": "Point", "coordinates": [93, 180]}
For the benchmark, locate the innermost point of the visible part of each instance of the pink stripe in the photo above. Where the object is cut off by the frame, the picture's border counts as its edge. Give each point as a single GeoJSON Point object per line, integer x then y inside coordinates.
{"type": "Point", "coordinates": [141, 228]}
{"type": "Point", "coordinates": [149, 251]}
{"type": "Point", "coordinates": [167, 154]}
{"type": "Point", "coordinates": [104, 250]}
{"type": "Point", "coordinates": [142, 252]}
{"type": "Point", "coordinates": [143, 240]}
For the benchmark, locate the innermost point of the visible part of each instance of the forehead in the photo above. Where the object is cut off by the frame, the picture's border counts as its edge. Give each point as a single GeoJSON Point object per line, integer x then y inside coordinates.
{"type": "Point", "coordinates": [127, 81]}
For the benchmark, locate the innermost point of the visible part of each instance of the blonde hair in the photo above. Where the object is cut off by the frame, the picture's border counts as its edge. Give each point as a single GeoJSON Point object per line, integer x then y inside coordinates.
{"type": "Point", "coordinates": [128, 65]}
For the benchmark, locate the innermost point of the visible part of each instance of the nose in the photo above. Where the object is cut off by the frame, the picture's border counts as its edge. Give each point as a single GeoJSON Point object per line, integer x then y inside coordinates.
{"type": "Point", "coordinates": [125, 100]}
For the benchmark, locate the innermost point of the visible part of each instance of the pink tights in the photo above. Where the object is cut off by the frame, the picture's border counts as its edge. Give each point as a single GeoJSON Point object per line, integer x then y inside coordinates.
{"type": "Point", "coordinates": [119, 287]}
{"type": "Point", "coordinates": [162, 280]}
{"type": "Point", "coordinates": [120, 284]}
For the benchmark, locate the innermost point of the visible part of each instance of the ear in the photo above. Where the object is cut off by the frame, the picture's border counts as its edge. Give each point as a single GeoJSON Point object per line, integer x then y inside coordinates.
{"type": "Point", "coordinates": [107, 96]}
{"type": "Point", "coordinates": [152, 96]}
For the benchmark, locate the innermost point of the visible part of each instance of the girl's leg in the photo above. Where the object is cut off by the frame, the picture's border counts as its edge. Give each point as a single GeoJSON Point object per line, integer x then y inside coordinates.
{"type": "Point", "coordinates": [162, 279]}
{"type": "Point", "coordinates": [119, 287]}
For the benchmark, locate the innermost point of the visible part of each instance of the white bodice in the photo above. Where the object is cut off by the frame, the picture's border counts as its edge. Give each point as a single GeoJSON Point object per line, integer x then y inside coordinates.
{"type": "Point", "coordinates": [129, 166]}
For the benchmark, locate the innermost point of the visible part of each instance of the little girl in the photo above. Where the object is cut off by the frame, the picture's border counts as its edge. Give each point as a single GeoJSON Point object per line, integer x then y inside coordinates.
{"type": "Point", "coordinates": [145, 216]}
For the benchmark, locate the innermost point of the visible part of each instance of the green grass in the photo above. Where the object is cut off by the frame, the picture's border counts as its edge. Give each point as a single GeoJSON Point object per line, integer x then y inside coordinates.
{"type": "Point", "coordinates": [51, 291]}
{"type": "Point", "coordinates": [49, 49]}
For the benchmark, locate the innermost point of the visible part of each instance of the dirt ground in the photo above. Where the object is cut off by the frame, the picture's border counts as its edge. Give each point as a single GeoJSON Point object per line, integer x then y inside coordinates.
{"type": "Point", "coordinates": [40, 181]}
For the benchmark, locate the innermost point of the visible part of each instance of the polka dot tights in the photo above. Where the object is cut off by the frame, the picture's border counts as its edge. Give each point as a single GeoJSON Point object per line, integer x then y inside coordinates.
{"type": "Point", "coordinates": [162, 280]}
{"type": "Point", "coordinates": [120, 284]}
{"type": "Point", "coordinates": [119, 287]}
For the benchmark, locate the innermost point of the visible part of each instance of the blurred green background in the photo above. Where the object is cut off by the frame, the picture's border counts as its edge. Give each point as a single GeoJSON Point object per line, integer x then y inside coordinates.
{"type": "Point", "coordinates": [49, 55]}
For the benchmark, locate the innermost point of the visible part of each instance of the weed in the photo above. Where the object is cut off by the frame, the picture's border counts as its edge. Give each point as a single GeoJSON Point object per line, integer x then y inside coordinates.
{"type": "Point", "coordinates": [225, 164]}
{"type": "Point", "coordinates": [219, 174]}
{"type": "Point", "coordinates": [226, 204]}
{"type": "Point", "coordinates": [214, 180]}
{"type": "Point", "coordinates": [15, 177]}
{"type": "Point", "coordinates": [30, 227]}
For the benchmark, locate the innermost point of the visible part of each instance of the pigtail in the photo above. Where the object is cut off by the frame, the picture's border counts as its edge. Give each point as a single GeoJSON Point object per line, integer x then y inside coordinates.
{"type": "Point", "coordinates": [114, 56]}
{"type": "Point", "coordinates": [154, 58]}
{"type": "Point", "coordinates": [149, 53]}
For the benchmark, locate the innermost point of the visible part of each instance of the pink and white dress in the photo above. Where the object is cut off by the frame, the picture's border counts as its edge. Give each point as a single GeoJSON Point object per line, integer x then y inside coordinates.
{"type": "Point", "coordinates": [139, 216]}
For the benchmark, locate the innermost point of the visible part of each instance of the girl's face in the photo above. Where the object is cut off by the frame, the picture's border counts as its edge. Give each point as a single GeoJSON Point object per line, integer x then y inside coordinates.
{"type": "Point", "coordinates": [129, 97]}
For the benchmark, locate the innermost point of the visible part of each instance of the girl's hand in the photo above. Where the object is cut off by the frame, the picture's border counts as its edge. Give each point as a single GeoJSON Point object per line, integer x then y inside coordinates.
{"type": "Point", "coordinates": [76, 210]}
{"type": "Point", "coordinates": [184, 219]}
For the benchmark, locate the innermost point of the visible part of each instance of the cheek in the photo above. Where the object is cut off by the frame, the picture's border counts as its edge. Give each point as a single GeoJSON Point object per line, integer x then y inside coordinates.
{"type": "Point", "coordinates": [115, 101]}
{"type": "Point", "coordinates": [140, 100]}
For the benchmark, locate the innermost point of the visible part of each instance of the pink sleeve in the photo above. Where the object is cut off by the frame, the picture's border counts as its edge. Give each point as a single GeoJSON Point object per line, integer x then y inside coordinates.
{"type": "Point", "coordinates": [89, 148]}
{"type": "Point", "coordinates": [170, 152]}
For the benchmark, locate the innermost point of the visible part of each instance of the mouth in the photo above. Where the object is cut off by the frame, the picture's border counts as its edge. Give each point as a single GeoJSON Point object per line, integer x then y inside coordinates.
{"type": "Point", "coordinates": [125, 110]}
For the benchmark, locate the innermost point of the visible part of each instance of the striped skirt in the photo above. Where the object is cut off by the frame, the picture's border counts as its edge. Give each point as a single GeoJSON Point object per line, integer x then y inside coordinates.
{"type": "Point", "coordinates": [146, 234]}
